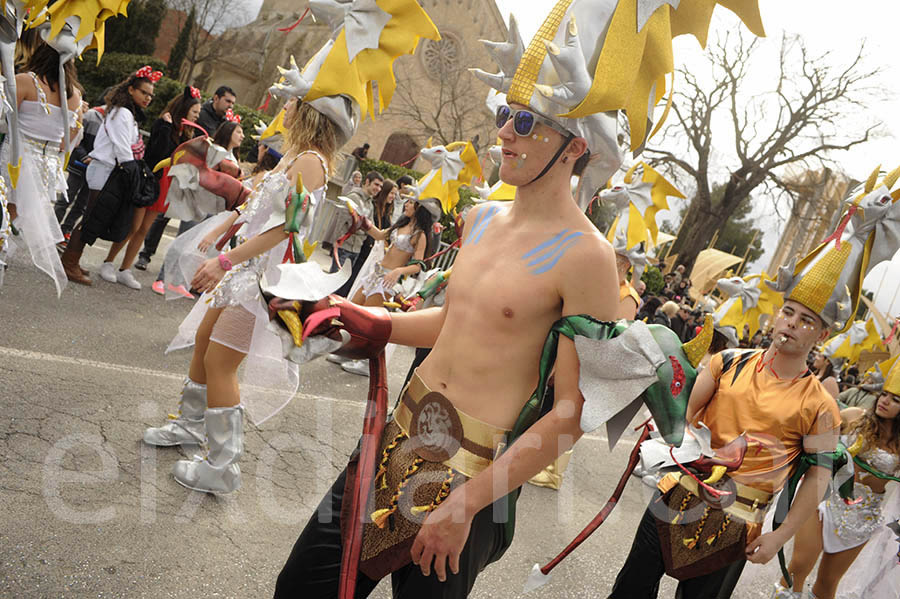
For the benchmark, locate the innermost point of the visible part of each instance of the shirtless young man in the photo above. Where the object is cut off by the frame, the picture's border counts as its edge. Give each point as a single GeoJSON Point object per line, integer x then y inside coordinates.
{"type": "Point", "coordinates": [522, 266]}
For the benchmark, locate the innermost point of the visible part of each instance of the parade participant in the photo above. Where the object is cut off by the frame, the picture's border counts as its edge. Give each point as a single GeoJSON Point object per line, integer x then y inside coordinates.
{"type": "Point", "coordinates": [866, 393]}
{"type": "Point", "coordinates": [229, 323]}
{"type": "Point", "coordinates": [521, 268]}
{"type": "Point", "coordinates": [824, 371]}
{"type": "Point", "coordinates": [233, 312]}
{"type": "Point", "coordinates": [408, 240]}
{"type": "Point", "coordinates": [787, 417]}
{"type": "Point", "coordinates": [193, 245]}
{"type": "Point", "coordinates": [202, 180]}
{"type": "Point", "coordinates": [842, 529]}
{"type": "Point", "coordinates": [166, 134]}
{"type": "Point", "coordinates": [118, 144]}
{"type": "Point", "coordinates": [39, 95]}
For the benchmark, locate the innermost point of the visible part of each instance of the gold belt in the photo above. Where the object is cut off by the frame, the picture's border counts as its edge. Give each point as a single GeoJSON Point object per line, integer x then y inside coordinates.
{"type": "Point", "coordinates": [749, 504]}
{"type": "Point", "coordinates": [441, 433]}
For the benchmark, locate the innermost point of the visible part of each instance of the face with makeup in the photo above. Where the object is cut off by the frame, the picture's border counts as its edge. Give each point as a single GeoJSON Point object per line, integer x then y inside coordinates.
{"type": "Point", "coordinates": [888, 406]}
{"type": "Point", "coordinates": [797, 329]}
{"type": "Point", "coordinates": [525, 156]}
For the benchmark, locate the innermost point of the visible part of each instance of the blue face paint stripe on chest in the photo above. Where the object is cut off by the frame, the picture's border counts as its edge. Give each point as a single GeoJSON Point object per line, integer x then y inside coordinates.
{"type": "Point", "coordinates": [553, 250]}
{"type": "Point", "coordinates": [545, 245]}
{"type": "Point", "coordinates": [550, 252]}
{"type": "Point", "coordinates": [482, 222]}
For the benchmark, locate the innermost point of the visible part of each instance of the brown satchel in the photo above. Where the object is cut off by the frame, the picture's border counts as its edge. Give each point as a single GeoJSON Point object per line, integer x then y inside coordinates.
{"type": "Point", "coordinates": [697, 536]}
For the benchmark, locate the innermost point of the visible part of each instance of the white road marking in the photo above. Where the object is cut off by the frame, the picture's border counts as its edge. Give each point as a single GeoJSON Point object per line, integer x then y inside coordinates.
{"type": "Point", "coordinates": [25, 354]}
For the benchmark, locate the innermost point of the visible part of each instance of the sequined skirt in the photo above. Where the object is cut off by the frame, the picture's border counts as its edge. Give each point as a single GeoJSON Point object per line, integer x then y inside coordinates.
{"type": "Point", "coordinates": [847, 526]}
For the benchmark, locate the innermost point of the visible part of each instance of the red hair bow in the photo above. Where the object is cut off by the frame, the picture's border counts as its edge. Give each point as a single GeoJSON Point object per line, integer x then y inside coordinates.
{"type": "Point", "coordinates": [195, 93]}
{"type": "Point", "coordinates": [147, 72]}
{"type": "Point", "coordinates": [231, 116]}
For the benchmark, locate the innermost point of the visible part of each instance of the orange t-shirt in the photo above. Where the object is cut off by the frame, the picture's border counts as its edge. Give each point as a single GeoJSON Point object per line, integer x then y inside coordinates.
{"type": "Point", "coordinates": [626, 290]}
{"type": "Point", "coordinates": [776, 415]}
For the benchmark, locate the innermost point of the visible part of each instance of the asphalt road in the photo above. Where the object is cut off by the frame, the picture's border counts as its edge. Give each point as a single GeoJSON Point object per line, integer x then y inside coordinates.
{"type": "Point", "coordinates": [88, 511]}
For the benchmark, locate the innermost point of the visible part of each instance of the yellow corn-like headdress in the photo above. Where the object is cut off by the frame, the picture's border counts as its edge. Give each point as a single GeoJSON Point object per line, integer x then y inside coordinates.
{"type": "Point", "coordinates": [591, 58]}
{"type": "Point", "coordinates": [750, 298]}
{"type": "Point", "coordinates": [890, 369]}
{"type": "Point", "coordinates": [273, 134]}
{"type": "Point", "coordinates": [829, 279]}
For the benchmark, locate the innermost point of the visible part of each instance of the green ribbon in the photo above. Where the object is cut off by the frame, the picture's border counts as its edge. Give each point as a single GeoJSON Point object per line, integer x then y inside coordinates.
{"type": "Point", "coordinates": [835, 460]}
{"type": "Point", "coordinates": [874, 471]}
{"type": "Point", "coordinates": [295, 214]}
{"type": "Point", "coordinates": [540, 401]}
{"type": "Point", "coordinates": [419, 262]}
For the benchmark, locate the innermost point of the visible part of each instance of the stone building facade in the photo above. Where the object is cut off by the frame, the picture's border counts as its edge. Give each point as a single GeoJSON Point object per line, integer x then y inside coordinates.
{"type": "Point", "coordinates": [436, 96]}
{"type": "Point", "coordinates": [818, 206]}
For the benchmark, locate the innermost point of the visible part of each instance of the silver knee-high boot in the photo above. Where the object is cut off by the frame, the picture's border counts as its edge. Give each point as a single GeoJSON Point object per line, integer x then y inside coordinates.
{"type": "Point", "coordinates": [218, 471]}
{"type": "Point", "coordinates": [187, 427]}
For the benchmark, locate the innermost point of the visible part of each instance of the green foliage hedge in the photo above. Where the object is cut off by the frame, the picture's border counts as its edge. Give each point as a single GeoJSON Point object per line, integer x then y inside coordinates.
{"type": "Point", "coordinates": [116, 66]}
{"type": "Point", "coordinates": [653, 279]}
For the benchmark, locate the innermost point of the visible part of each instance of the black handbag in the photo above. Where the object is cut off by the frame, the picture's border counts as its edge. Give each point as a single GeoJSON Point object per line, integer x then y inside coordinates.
{"type": "Point", "coordinates": [147, 187]}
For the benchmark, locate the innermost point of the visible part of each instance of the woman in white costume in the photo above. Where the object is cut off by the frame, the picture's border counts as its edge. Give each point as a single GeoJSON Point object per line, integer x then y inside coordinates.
{"type": "Point", "coordinates": [229, 321]}
{"type": "Point", "coordinates": [41, 175]}
{"type": "Point", "coordinates": [841, 530]}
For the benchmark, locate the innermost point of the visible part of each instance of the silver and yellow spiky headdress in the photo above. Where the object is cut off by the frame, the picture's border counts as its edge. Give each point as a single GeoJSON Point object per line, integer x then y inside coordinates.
{"type": "Point", "coordinates": [829, 279]}
{"type": "Point", "coordinates": [341, 80]}
{"type": "Point", "coordinates": [592, 58]}
{"type": "Point", "coordinates": [859, 337]}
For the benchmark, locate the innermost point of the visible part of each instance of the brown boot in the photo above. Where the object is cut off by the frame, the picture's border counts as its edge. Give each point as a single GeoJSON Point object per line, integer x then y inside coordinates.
{"type": "Point", "coordinates": [70, 259]}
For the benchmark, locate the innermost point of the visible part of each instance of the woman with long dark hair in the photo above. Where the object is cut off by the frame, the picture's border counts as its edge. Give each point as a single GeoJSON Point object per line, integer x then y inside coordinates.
{"type": "Point", "coordinates": [118, 142]}
{"type": "Point", "coordinates": [383, 204]}
{"type": "Point", "coordinates": [40, 174]}
{"type": "Point", "coordinates": [842, 529]}
{"type": "Point", "coordinates": [407, 241]}
{"type": "Point", "coordinates": [166, 134]}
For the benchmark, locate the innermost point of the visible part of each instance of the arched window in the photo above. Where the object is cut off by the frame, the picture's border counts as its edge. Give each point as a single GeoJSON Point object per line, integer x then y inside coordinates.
{"type": "Point", "coordinates": [400, 148]}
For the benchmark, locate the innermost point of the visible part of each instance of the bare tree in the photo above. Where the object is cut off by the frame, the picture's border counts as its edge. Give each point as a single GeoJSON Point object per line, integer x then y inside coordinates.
{"type": "Point", "coordinates": [455, 112]}
{"type": "Point", "coordinates": [212, 17]}
{"type": "Point", "coordinates": [796, 124]}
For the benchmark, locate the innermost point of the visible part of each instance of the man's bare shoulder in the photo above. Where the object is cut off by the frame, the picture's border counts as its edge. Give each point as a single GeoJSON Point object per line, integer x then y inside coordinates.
{"type": "Point", "coordinates": [588, 279]}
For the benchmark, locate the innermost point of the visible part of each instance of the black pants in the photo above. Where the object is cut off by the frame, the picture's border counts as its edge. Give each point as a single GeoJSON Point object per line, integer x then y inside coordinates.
{"type": "Point", "coordinates": [78, 192]}
{"type": "Point", "coordinates": [639, 577]}
{"type": "Point", "coordinates": [314, 566]}
{"type": "Point", "coordinates": [154, 234]}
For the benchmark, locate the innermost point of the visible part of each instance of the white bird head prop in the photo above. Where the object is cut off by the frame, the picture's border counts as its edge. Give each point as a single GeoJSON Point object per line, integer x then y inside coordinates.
{"type": "Point", "coordinates": [452, 166]}
{"type": "Point", "coordinates": [859, 337]}
{"type": "Point", "coordinates": [749, 301]}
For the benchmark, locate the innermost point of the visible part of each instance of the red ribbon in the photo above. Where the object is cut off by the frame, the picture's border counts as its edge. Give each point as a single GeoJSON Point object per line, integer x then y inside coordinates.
{"type": "Point", "coordinates": [291, 27]}
{"type": "Point", "coordinates": [231, 116]}
{"type": "Point", "coordinates": [195, 93]}
{"type": "Point", "coordinates": [147, 72]}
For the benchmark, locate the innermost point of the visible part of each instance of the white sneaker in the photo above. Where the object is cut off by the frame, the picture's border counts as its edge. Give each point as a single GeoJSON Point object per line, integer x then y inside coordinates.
{"type": "Point", "coordinates": [108, 272]}
{"type": "Point", "coordinates": [360, 367]}
{"type": "Point", "coordinates": [336, 359]}
{"type": "Point", "coordinates": [125, 277]}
